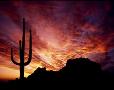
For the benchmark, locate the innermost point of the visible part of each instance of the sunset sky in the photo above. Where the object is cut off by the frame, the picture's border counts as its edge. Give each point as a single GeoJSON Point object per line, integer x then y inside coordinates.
{"type": "Point", "coordinates": [60, 30]}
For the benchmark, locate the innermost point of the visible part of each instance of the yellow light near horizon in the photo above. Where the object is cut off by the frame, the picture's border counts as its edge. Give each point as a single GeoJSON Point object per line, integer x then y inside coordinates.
{"type": "Point", "coordinates": [7, 73]}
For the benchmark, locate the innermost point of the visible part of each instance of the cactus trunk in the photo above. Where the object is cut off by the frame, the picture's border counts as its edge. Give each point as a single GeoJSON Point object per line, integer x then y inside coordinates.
{"type": "Point", "coordinates": [21, 52]}
{"type": "Point", "coordinates": [21, 71]}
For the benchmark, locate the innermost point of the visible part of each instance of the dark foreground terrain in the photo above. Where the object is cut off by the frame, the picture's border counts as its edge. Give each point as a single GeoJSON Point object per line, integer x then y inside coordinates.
{"type": "Point", "coordinates": [78, 73]}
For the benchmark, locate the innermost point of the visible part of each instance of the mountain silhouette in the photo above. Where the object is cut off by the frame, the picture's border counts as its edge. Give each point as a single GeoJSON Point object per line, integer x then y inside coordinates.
{"type": "Point", "coordinates": [77, 72]}
{"type": "Point", "coordinates": [79, 69]}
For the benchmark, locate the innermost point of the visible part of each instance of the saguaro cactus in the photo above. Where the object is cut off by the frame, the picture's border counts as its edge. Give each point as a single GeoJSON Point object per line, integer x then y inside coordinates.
{"type": "Point", "coordinates": [21, 52]}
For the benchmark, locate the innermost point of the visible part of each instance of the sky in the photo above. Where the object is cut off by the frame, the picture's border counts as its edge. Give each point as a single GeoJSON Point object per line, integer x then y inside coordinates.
{"type": "Point", "coordinates": [60, 30]}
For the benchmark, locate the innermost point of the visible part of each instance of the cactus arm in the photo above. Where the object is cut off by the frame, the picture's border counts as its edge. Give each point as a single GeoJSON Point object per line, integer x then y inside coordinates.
{"type": "Point", "coordinates": [12, 59]}
{"type": "Point", "coordinates": [30, 50]}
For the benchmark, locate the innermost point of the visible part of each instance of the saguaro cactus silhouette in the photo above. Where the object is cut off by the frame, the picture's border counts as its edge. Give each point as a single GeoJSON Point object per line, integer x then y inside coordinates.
{"type": "Point", "coordinates": [22, 62]}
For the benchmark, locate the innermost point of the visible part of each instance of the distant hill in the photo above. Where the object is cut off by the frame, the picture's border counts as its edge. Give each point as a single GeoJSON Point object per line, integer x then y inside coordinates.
{"type": "Point", "coordinates": [78, 69]}
{"type": "Point", "coordinates": [77, 73]}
